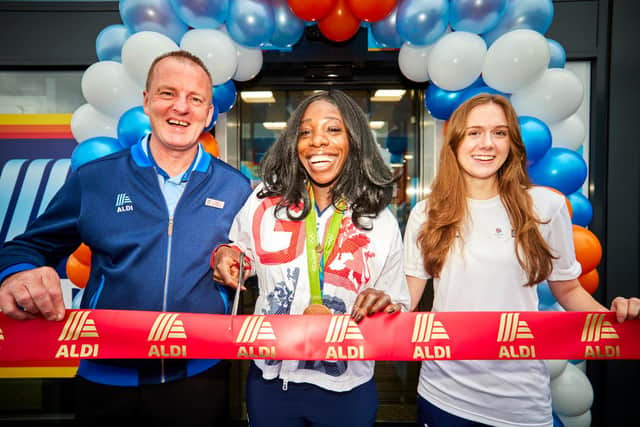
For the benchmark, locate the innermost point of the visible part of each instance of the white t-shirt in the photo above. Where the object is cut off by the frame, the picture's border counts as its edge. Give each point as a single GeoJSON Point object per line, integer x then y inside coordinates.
{"type": "Point", "coordinates": [361, 259]}
{"type": "Point", "coordinates": [482, 273]}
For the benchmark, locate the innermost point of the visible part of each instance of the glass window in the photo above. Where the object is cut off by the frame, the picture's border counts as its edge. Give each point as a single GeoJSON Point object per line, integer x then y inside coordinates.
{"type": "Point", "coordinates": [40, 92]}
{"type": "Point", "coordinates": [35, 115]}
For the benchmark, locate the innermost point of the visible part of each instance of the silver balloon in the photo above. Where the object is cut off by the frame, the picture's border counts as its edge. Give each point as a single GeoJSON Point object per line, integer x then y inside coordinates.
{"type": "Point", "coordinates": [202, 13]}
{"type": "Point", "coordinates": [523, 14]}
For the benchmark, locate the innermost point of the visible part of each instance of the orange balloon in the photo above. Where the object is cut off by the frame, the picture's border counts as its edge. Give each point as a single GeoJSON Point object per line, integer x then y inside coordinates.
{"type": "Point", "coordinates": [83, 254]}
{"type": "Point", "coordinates": [340, 24]}
{"type": "Point", "coordinates": [77, 272]}
{"type": "Point", "coordinates": [566, 199]}
{"type": "Point", "coordinates": [311, 10]}
{"type": "Point", "coordinates": [590, 281]}
{"type": "Point", "coordinates": [371, 11]}
{"type": "Point", "coordinates": [588, 248]}
{"type": "Point", "coordinates": [210, 144]}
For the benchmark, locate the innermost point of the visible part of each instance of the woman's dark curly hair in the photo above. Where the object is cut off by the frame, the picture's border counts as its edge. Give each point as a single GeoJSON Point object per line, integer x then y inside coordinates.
{"type": "Point", "coordinates": [365, 182]}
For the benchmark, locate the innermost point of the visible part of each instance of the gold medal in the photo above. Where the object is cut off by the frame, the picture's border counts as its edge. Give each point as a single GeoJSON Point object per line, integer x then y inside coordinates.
{"type": "Point", "coordinates": [317, 309]}
{"type": "Point", "coordinates": [319, 248]}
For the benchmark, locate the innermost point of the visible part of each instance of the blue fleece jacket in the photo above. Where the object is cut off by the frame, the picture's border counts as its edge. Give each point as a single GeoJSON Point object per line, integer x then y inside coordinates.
{"type": "Point", "coordinates": [141, 259]}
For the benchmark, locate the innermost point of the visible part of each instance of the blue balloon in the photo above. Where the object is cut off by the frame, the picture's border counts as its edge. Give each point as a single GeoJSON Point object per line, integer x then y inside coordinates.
{"type": "Point", "coordinates": [250, 23]}
{"type": "Point", "coordinates": [224, 96]}
{"type": "Point", "coordinates": [109, 42]}
{"type": "Point", "coordinates": [536, 137]}
{"type": "Point", "coordinates": [582, 209]}
{"type": "Point", "coordinates": [473, 90]}
{"type": "Point", "coordinates": [558, 55]}
{"type": "Point", "coordinates": [385, 31]}
{"type": "Point", "coordinates": [441, 103]}
{"type": "Point", "coordinates": [557, 422]}
{"type": "Point", "coordinates": [133, 125]}
{"type": "Point", "coordinates": [561, 168]}
{"type": "Point", "coordinates": [545, 297]}
{"type": "Point", "coordinates": [92, 149]}
{"type": "Point", "coordinates": [288, 27]}
{"type": "Point", "coordinates": [533, 15]}
{"type": "Point", "coordinates": [152, 15]}
{"type": "Point", "coordinates": [476, 16]}
{"type": "Point", "coordinates": [214, 119]}
{"type": "Point", "coordinates": [202, 13]}
{"type": "Point", "coordinates": [397, 144]}
{"type": "Point", "coordinates": [422, 22]}
{"type": "Point", "coordinates": [396, 158]}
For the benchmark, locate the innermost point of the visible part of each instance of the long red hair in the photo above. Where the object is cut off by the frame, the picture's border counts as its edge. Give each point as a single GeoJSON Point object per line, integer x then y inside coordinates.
{"type": "Point", "coordinates": [447, 203]}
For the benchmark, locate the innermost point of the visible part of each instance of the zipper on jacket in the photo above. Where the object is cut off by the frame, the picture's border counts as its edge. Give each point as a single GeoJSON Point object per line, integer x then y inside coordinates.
{"type": "Point", "coordinates": [166, 284]}
{"type": "Point", "coordinates": [285, 384]}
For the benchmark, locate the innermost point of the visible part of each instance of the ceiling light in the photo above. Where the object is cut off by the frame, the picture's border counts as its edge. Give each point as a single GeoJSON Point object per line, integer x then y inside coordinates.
{"type": "Point", "coordinates": [388, 95]}
{"type": "Point", "coordinates": [258, 96]}
{"type": "Point", "coordinates": [274, 125]}
{"type": "Point", "coordinates": [375, 124]}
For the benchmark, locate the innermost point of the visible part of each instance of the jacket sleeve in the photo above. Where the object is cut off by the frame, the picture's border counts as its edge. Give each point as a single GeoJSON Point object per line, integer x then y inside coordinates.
{"type": "Point", "coordinates": [50, 237]}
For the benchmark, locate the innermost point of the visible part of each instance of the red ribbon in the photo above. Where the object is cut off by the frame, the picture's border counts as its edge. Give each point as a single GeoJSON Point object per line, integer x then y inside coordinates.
{"type": "Point", "coordinates": [113, 334]}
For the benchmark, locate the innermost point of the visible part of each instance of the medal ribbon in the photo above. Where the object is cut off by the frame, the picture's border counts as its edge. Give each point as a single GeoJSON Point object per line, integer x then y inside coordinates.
{"type": "Point", "coordinates": [311, 241]}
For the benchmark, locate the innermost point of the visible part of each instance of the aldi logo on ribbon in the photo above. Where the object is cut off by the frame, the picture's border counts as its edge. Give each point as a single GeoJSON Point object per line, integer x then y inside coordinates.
{"type": "Point", "coordinates": [596, 329]}
{"type": "Point", "coordinates": [77, 326]}
{"type": "Point", "coordinates": [167, 326]}
{"type": "Point", "coordinates": [256, 328]}
{"type": "Point", "coordinates": [426, 329]}
{"type": "Point", "coordinates": [513, 329]}
{"type": "Point", "coordinates": [343, 328]}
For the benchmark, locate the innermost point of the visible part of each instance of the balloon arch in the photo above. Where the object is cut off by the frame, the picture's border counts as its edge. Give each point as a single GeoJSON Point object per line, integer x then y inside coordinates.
{"type": "Point", "coordinates": [458, 48]}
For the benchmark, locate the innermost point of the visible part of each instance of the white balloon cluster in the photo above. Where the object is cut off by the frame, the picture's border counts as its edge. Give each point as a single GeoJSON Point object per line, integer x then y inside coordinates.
{"type": "Point", "coordinates": [518, 63]}
{"type": "Point", "coordinates": [111, 88]}
{"type": "Point", "coordinates": [571, 393]}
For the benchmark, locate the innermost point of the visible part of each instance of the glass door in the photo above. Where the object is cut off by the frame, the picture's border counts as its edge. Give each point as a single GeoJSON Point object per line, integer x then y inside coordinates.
{"type": "Point", "coordinates": [406, 135]}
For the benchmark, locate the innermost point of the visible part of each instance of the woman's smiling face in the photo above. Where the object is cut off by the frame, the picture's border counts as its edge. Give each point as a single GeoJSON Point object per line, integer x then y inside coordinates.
{"type": "Point", "coordinates": [323, 143]}
{"type": "Point", "coordinates": [486, 144]}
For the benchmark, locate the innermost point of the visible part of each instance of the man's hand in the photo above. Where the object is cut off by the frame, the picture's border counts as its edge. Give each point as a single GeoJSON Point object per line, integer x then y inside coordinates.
{"type": "Point", "coordinates": [32, 293]}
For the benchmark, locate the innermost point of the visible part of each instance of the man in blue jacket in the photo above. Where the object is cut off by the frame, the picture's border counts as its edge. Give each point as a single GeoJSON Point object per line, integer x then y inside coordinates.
{"type": "Point", "coordinates": [151, 215]}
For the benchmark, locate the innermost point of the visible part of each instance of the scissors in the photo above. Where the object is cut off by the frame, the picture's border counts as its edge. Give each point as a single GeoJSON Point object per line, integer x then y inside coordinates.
{"type": "Point", "coordinates": [236, 298]}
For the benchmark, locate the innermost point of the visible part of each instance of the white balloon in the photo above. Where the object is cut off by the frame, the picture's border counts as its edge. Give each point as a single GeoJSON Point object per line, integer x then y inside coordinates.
{"type": "Point", "coordinates": [571, 392]}
{"type": "Point", "coordinates": [568, 133]}
{"type": "Point", "coordinates": [139, 51]}
{"type": "Point", "coordinates": [413, 61]}
{"type": "Point", "coordinates": [249, 62]}
{"type": "Point", "coordinates": [553, 97]}
{"type": "Point", "coordinates": [556, 367]}
{"type": "Point", "coordinates": [87, 122]}
{"type": "Point", "coordinates": [582, 365]}
{"type": "Point", "coordinates": [456, 60]}
{"type": "Point", "coordinates": [216, 50]}
{"type": "Point", "coordinates": [515, 59]}
{"type": "Point", "coordinates": [582, 420]}
{"type": "Point", "coordinates": [107, 86]}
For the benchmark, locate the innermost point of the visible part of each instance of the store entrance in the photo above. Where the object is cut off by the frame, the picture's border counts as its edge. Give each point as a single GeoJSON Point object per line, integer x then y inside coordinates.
{"type": "Point", "coordinates": [397, 119]}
